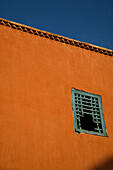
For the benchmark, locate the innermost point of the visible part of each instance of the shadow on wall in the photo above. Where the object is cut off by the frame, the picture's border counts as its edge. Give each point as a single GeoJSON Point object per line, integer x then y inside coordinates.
{"type": "Point", "coordinates": [105, 165]}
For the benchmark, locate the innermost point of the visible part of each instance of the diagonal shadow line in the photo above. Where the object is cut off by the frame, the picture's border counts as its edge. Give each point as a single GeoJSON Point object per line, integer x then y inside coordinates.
{"type": "Point", "coordinates": [105, 165]}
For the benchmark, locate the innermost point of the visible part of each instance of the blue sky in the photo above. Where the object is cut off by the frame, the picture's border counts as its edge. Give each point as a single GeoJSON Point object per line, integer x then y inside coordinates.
{"type": "Point", "coordinates": [84, 20]}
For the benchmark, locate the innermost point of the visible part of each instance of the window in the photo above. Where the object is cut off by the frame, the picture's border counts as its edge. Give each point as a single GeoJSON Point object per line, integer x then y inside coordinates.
{"type": "Point", "coordinates": [88, 113]}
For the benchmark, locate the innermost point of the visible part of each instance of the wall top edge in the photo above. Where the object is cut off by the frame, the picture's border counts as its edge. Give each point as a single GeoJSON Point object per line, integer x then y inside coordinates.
{"type": "Point", "coordinates": [55, 37]}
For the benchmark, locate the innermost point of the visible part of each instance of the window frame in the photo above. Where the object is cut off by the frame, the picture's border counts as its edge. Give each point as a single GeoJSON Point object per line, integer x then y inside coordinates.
{"type": "Point", "coordinates": [76, 129]}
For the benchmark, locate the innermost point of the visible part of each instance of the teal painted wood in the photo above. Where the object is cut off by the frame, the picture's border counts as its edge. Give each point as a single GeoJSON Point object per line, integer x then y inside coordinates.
{"type": "Point", "coordinates": [88, 104]}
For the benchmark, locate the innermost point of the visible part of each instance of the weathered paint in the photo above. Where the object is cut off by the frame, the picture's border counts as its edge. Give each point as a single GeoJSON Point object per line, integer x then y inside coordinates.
{"type": "Point", "coordinates": [36, 118]}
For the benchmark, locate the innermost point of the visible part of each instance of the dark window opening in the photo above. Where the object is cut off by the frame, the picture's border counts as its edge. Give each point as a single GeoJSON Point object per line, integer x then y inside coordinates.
{"type": "Point", "coordinates": [87, 123]}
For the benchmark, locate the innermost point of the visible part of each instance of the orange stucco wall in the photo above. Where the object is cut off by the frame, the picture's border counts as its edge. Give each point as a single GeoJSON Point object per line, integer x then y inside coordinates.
{"type": "Point", "coordinates": [36, 118]}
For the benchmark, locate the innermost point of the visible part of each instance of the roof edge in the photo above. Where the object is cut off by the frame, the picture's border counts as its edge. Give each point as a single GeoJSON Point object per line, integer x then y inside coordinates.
{"type": "Point", "coordinates": [55, 37]}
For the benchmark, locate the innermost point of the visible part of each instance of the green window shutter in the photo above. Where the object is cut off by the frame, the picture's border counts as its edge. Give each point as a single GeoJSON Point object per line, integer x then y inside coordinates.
{"type": "Point", "coordinates": [88, 113]}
